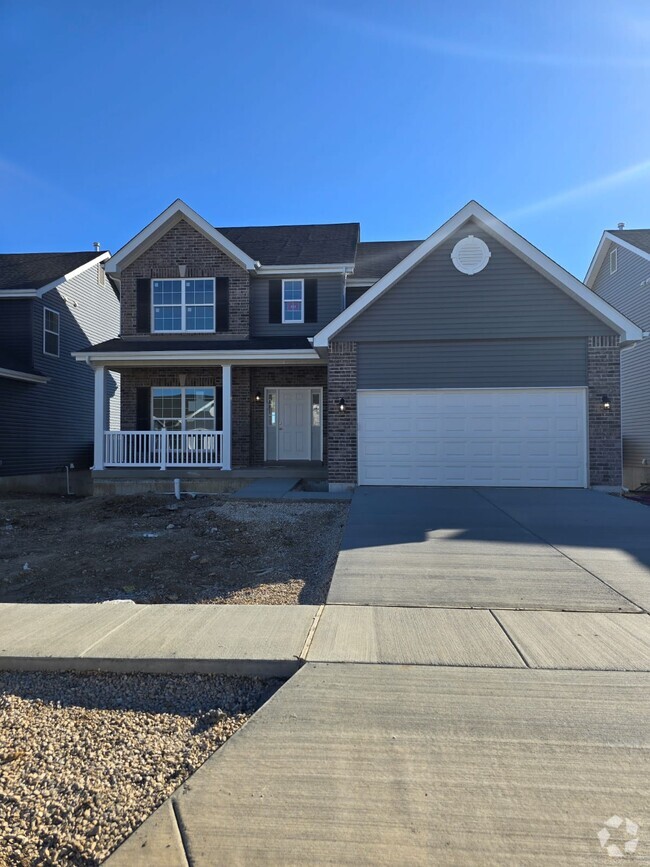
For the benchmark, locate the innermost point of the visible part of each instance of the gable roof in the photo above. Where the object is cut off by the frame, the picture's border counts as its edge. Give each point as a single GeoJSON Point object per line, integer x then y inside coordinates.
{"type": "Point", "coordinates": [320, 244]}
{"type": "Point", "coordinates": [636, 240]}
{"type": "Point", "coordinates": [628, 331]}
{"type": "Point", "coordinates": [35, 270]}
{"type": "Point", "coordinates": [376, 258]}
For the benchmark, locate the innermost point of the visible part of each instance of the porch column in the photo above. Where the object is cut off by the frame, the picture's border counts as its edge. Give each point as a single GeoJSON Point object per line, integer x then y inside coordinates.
{"type": "Point", "coordinates": [227, 416]}
{"type": "Point", "coordinates": [100, 397]}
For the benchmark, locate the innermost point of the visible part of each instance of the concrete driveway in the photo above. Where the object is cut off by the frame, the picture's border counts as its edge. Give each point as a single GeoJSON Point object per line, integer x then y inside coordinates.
{"type": "Point", "coordinates": [499, 548]}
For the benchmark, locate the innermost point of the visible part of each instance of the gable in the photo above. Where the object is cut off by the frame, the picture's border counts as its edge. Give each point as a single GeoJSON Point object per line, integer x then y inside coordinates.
{"type": "Point", "coordinates": [508, 298]}
{"type": "Point", "coordinates": [628, 288]}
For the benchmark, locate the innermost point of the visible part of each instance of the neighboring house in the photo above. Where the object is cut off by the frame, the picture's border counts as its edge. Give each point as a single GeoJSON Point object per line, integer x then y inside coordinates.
{"type": "Point", "coordinates": [50, 305]}
{"type": "Point", "coordinates": [469, 358]}
{"type": "Point", "coordinates": [620, 273]}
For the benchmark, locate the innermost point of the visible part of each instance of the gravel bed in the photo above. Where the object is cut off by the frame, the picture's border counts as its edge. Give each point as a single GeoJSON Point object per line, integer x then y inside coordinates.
{"type": "Point", "coordinates": [85, 758]}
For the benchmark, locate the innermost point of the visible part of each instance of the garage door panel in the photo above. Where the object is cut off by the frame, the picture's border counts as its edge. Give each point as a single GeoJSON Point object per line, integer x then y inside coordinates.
{"type": "Point", "coordinates": [517, 437]}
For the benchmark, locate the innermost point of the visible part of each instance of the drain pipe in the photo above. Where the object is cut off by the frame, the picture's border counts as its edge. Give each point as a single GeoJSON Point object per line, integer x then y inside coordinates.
{"type": "Point", "coordinates": [177, 488]}
{"type": "Point", "coordinates": [68, 467]}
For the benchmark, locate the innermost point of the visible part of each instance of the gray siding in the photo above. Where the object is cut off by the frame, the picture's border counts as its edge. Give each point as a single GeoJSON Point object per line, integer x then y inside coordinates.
{"type": "Point", "coordinates": [330, 304]}
{"type": "Point", "coordinates": [15, 328]}
{"type": "Point", "coordinates": [507, 299]}
{"type": "Point", "coordinates": [354, 292]}
{"type": "Point", "coordinates": [46, 426]}
{"type": "Point", "coordinates": [479, 364]}
{"type": "Point", "coordinates": [623, 289]}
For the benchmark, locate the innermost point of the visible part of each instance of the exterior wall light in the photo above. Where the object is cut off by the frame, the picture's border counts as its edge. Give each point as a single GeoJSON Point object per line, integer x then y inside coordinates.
{"type": "Point", "coordinates": [342, 405]}
{"type": "Point", "coordinates": [258, 396]}
{"type": "Point", "coordinates": [605, 403]}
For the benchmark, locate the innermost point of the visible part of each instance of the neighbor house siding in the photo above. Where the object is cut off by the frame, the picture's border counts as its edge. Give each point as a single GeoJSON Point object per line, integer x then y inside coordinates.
{"type": "Point", "coordinates": [507, 299]}
{"type": "Point", "coordinates": [15, 328]}
{"type": "Point", "coordinates": [628, 292]}
{"type": "Point", "coordinates": [330, 304]}
{"type": "Point", "coordinates": [551, 362]}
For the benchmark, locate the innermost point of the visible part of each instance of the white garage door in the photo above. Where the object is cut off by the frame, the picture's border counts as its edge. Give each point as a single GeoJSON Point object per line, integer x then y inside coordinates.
{"type": "Point", "coordinates": [511, 437]}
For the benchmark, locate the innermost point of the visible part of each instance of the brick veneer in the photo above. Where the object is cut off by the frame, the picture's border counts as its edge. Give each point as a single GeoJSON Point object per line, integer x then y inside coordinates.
{"type": "Point", "coordinates": [342, 426]}
{"type": "Point", "coordinates": [282, 377]}
{"type": "Point", "coordinates": [183, 245]}
{"type": "Point", "coordinates": [604, 377]}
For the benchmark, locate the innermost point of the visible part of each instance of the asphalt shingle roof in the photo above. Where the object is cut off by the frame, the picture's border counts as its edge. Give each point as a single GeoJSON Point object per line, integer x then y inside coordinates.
{"type": "Point", "coordinates": [201, 344]}
{"type": "Point", "coordinates": [637, 237]}
{"type": "Point", "coordinates": [376, 258]}
{"type": "Point", "coordinates": [33, 270]}
{"type": "Point", "coordinates": [296, 245]}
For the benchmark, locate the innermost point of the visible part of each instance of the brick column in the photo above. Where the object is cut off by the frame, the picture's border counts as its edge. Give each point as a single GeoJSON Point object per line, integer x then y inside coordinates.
{"type": "Point", "coordinates": [241, 417]}
{"type": "Point", "coordinates": [342, 426]}
{"type": "Point", "coordinates": [604, 378]}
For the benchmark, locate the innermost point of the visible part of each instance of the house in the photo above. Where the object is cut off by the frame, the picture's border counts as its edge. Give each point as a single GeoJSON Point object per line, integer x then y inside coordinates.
{"type": "Point", "coordinates": [50, 305]}
{"type": "Point", "coordinates": [620, 273]}
{"type": "Point", "coordinates": [469, 358]}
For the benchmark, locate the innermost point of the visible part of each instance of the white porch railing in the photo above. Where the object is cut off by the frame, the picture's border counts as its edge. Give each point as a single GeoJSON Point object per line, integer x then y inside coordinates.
{"type": "Point", "coordinates": [163, 448]}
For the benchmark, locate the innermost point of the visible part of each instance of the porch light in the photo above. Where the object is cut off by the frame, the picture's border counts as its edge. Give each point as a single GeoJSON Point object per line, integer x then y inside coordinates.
{"type": "Point", "coordinates": [342, 405]}
{"type": "Point", "coordinates": [605, 402]}
{"type": "Point", "coordinates": [258, 396]}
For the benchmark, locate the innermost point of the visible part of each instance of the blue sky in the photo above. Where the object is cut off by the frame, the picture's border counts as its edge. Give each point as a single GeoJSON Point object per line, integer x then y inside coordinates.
{"type": "Point", "coordinates": [391, 113]}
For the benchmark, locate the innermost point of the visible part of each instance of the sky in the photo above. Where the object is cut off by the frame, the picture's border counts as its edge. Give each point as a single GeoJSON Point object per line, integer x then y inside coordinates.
{"type": "Point", "coordinates": [394, 114]}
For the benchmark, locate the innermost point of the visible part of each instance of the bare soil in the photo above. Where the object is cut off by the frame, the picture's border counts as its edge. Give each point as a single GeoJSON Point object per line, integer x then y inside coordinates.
{"type": "Point", "coordinates": [153, 549]}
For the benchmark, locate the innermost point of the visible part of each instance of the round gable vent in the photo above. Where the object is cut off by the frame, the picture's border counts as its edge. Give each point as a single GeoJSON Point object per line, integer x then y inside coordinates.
{"type": "Point", "coordinates": [470, 255]}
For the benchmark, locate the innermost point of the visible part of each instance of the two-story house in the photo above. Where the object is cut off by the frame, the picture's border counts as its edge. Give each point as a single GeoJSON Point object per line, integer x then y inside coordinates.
{"type": "Point", "coordinates": [620, 273]}
{"type": "Point", "coordinates": [469, 358]}
{"type": "Point", "coordinates": [50, 305]}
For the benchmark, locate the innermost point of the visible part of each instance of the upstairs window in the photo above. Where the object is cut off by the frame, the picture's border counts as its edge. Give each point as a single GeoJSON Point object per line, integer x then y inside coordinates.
{"type": "Point", "coordinates": [183, 305]}
{"type": "Point", "coordinates": [293, 299]}
{"type": "Point", "coordinates": [51, 332]}
{"type": "Point", "coordinates": [613, 261]}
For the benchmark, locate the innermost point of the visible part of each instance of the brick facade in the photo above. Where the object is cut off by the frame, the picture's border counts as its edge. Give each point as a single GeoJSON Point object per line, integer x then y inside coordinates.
{"type": "Point", "coordinates": [184, 245]}
{"type": "Point", "coordinates": [604, 378]}
{"type": "Point", "coordinates": [342, 426]}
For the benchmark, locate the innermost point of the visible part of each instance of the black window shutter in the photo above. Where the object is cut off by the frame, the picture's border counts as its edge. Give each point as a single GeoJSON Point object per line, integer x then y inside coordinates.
{"type": "Point", "coordinates": [143, 306]}
{"type": "Point", "coordinates": [222, 303]}
{"type": "Point", "coordinates": [218, 408]}
{"type": "Point", "coordinates": [143, 408]}
{"type": "Point", "coordinates": [311, 300]}
{"type": "Point", "coordinates": [275, 300]}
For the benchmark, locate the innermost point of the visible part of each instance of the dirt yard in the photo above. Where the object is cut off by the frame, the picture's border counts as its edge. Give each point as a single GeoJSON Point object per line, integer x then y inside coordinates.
{"type": "Point", "coordinates": [153, 549]}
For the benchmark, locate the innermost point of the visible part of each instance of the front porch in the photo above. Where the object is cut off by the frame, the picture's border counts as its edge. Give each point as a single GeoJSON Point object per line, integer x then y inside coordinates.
{"type": "Point", "coordinates": [228, 420]}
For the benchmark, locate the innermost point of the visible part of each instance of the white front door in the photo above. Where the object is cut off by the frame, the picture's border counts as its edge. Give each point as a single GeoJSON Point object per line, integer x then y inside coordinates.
{"type": "Point", "coordinates": [294, 427]}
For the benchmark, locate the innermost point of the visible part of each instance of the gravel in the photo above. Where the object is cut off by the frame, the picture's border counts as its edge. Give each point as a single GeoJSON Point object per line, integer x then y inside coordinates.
{"type": "Point", "coordinates": [85, 758]}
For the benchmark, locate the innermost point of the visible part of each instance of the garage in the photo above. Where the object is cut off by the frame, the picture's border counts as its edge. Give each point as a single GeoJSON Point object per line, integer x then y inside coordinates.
{"type": "Point", "coordinates": [516, 437]}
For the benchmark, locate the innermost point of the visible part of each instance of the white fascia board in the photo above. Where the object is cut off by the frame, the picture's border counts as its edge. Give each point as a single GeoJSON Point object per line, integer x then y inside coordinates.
{"type": "Point", "coordinates": [514, 242]}
{"type": "Point", "coordinates": [601, 253]}
{"type": "Point", "coordinates": [360, 282]}
{"type": "Point", "coordinates": [38, 293]}
{"type": "Point", "coordinates": [233, 356]}
{"type": "Point", "coordinates": [338, 268]}
{"type": "Point", "coordinates": [180, 209]}
{"type": "Point", "coordinates": [5, 373]}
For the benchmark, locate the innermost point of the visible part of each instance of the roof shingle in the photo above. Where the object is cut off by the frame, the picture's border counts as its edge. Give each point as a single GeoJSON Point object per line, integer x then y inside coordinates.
{"type": "Point", "coordinates": [376, 258]}
{"type": "Point", "coordinates": [34, 270]}
{"type": "Point", "coordinates": [324, 244]}
{"type": "Point", "coordinates": [637, 237]}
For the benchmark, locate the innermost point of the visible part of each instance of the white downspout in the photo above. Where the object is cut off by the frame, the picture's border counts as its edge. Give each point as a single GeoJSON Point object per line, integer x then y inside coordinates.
{"type": "Point", "coordinates": [226, 455]}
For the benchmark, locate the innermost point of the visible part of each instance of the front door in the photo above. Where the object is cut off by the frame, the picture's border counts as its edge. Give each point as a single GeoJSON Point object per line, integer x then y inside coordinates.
{"type": "Point", "coordinates": [294, 428]}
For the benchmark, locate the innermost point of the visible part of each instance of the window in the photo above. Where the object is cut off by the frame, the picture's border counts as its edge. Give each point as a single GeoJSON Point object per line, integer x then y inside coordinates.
{"type": "Point", "coordinates": [183, 409]}
{"type": "Point", "coordinates": [613, 261]}
{"type": "Point", "coordinates": [51, 329]}
{"type": "Point", "coordinates": [293, 294]}
{"type": "Point", "coordinates": [183, 305]}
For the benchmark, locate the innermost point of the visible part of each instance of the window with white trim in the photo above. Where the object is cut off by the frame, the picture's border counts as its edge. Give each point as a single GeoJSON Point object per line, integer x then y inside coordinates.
{"type": "Point", "coordinates": [613, 260]}
{"type": "Point", "coordinates": [183, 409]}
{"type": "Point", "coordinates": [183, 305]}
{"type": "Point", "coordinates": [293, 300]}
{"type": "Point", "coordinates": [51, 332]}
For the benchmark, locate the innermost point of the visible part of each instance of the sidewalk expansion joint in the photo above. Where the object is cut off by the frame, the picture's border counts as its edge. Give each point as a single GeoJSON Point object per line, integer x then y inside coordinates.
{"type": "Point", "coordinates": [310, 635]}
{"type": "Point", "coordinates": [111, 631]}
{"type": "Point", "coordinates": [181, 832]}
{"type": "Point", "coordinates": [511, 640]}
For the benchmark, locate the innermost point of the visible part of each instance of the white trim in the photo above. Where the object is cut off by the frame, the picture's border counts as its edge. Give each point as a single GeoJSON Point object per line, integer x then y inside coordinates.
{"type": "Point", "coordinates": [337, 268]}
{"type": "Point", "coordinates": [516, 244]}
{"type": "Point", "coordinates": [601, 251]}
{"type": "Point", "coordinates": [302, 301]}
{"type": "Point", "coordinates": [46, 330]}
{"type": "Point", "coordinates": [613, 253]}
{"type": "Point", "coordinates": [226, 420]}
{"type": "Point", "coordinates": [183, 305]}
{"type": "Point", "coordinates": [38, 293]}
{"type": "Point", "coordinates": [277, 389]}
{"type": "Point", "coordinates": [319, 389]}
{"type": "Point", "coordinates": [267, 391]}
{"type": "Point", "coordinates": [100, 384]}
{"type": "Point", "coordinates": [183, 390]}
{"type": "Point", "coordinates": [244, 357]}
{"type": "Point", "coordinates": [170, 216]}
{"type": "Point", "coordinates": [361, 282]}
{"type": "Point", "coordinates": [7, 373]}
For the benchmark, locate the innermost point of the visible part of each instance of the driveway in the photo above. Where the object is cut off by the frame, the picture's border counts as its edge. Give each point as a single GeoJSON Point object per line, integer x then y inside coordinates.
{"type": "Point", "coordinates": [501, 548]}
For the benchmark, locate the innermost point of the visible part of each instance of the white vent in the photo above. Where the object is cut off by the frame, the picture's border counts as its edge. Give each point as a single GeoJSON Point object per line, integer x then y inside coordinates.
{"type": "Point", "coordinates": [470, 255]}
